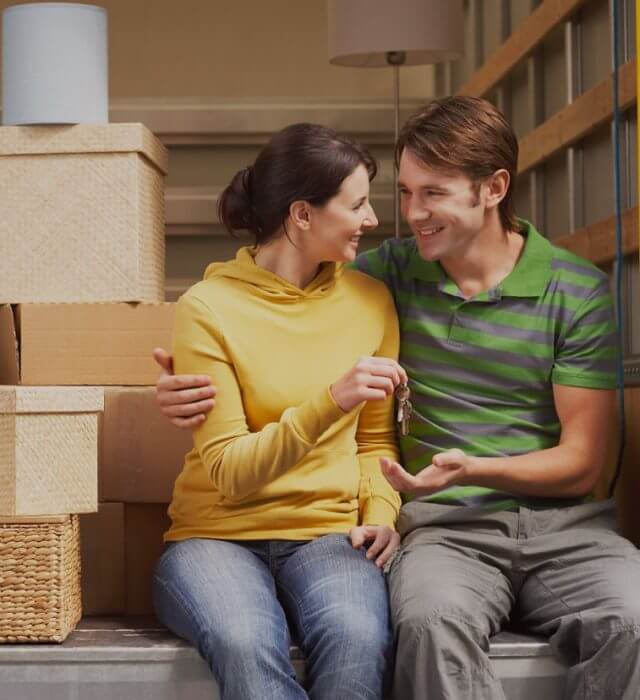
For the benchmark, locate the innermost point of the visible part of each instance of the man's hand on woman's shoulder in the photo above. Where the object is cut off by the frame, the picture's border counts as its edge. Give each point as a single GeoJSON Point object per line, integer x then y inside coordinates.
{"type": "Point", "coordinates": [184, 399]}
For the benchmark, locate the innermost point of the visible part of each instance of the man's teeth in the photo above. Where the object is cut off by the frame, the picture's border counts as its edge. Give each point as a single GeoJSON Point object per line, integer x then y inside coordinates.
{"type": "Point", "coordinates": [430, 231]}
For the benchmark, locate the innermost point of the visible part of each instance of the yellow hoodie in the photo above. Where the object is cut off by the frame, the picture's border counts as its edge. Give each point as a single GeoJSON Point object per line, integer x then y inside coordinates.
{"type": "Point", "coordinates": [277, 458]}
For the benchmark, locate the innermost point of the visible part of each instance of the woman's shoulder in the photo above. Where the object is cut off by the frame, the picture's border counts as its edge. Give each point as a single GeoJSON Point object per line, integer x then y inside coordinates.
{"type": "Point", "coordinates": [210, 291]}
{"type": "Point", "coordinates": [371, 289]}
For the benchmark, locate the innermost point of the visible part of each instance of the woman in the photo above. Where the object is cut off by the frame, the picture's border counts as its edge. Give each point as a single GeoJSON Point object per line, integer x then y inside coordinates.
{"type": "Point", "coordinates": [283, 488]}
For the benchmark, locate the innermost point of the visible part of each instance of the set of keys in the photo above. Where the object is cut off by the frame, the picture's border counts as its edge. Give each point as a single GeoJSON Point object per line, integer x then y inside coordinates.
{"type": "Point", "coordinates": [403, 408]}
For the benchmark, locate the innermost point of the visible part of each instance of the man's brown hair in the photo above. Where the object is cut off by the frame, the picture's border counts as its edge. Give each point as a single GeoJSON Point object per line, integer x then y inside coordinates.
{"type": "Point", "coordinates": [466, 134]}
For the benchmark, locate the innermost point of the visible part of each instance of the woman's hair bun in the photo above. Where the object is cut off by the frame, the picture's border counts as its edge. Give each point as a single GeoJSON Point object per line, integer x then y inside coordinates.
{"type": "Point", "coordinates": [235, 210]}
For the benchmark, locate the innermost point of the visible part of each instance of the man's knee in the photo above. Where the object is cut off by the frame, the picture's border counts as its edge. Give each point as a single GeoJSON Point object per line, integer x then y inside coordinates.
{"type": "Point", "coordinates": [435, 626]}
{"type": "Point", "coordinates": [609, 623]}
{"type": "Point", "coordinates": [584, 634]}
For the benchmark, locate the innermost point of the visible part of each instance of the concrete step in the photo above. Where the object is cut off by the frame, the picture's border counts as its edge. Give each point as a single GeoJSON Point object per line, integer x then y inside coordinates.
{"type": "Point", "coordinates": [128, 659]}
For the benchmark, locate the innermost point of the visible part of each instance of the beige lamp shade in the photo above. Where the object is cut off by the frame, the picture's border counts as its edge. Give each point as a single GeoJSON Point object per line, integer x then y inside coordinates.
{"type": "Point", "coordinates": [363, 32]}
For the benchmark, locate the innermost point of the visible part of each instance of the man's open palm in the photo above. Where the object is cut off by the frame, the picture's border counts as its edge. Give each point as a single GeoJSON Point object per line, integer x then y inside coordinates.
{"type": "Point", "coordinates": [446, 469]}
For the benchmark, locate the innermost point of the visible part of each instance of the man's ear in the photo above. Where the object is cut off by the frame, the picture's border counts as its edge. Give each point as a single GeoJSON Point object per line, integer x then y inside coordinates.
{"type": "Point", "coordinates": [496, 187]}
{"type": "Point", "coordinates": [300, 214]}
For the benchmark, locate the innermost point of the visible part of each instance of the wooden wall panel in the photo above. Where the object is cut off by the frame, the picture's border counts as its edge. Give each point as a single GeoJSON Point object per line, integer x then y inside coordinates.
{"type": "Point", "coordinates": [521, 114]}
{"type": "Point", "coordinates": [465, 66]}
{"type": "Point", "coordinates": [519, 10]}
{"type": "Point", "coordinates": [577, 120]}
{"type": "Point", "coordinates": [634, 294]}
{"type": "Point", "coordinates": [556, 202]}
{"type": "Point", "coordinates": [554, 73]}
{"type": "Point", "coordinates": [628, 489]}
{"type": "Point", "coordinates": [598, 181]}
{"type": "Point", "coordinates": [492, 27]}
{"type": "Point", "coordinates": [523, 199]}
{"type": "Point", "coordinates": [525, 38]}
{"type": "Point", "coordinates": [632, 121]}
{"type": "Point", "coordinates": [597, 241]}
{"type": "Point", "coordinates": [628, 486]}
{"type": "Point", "coordinates": [595, 34]}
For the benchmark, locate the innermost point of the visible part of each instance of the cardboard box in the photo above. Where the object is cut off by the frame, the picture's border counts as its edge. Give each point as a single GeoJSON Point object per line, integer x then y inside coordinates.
{"type": "Point", "coordinates": [120, 547]}
{"type": "Point", "coordinates": [81, 213]}
{"type": "Point", "coordinates": [145, 525]}
{"type": "Point", "coordinates": [75, 344]}
{"type": "Point", "coordinates": [49, 450]}
{"type": "Point", "coordinates": [103, 571]}
{"type": "Point", "coordinates": [141, 453]}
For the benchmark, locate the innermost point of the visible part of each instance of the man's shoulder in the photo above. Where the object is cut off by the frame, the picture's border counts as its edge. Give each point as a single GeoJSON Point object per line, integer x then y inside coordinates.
{"type": "Point", "coordinates": [391, 257]}
{"type": "Point", "coordinates": [567, 266]}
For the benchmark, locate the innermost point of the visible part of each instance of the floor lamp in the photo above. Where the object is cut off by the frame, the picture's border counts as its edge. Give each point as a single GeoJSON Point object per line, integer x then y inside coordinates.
{"type": "Point", "coordinates": [380, 33]}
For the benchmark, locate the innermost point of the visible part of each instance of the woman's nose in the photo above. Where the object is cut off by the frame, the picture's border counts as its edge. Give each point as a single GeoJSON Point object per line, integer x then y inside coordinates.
{"type": "Point", "coordinates": [371, 220]}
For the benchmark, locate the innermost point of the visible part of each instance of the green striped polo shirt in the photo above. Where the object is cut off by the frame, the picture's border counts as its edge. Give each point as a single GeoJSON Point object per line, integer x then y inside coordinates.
{"type": "Point", "coordinates": [481, 369]}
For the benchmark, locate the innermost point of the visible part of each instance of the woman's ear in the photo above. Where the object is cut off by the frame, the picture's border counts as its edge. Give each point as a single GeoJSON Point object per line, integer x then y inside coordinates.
{"type": "Point", "coordinates": [300, 214]}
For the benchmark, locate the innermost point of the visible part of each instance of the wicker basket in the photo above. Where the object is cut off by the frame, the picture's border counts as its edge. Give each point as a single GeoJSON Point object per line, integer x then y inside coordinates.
{"type": "Point", "coordinates": [39, 578]}
{"type": "Point", "coordinates": [81, 214]}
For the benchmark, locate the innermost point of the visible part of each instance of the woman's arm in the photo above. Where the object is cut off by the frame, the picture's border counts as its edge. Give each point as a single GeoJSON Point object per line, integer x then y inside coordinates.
{"type": "Point", "coordinates": [240, 462]}
{"type": "Point", "coordinates": [237, 461]}
{"type": "Point", "coordinates": [376, 438]}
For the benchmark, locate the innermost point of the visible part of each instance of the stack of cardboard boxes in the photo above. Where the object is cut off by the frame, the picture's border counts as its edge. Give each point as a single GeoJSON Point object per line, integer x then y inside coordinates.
{"type": "Point", "coordinates": [81, 308]}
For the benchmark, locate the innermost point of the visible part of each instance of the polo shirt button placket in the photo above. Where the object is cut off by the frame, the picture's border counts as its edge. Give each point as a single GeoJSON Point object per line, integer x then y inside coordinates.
{"type": "Point", "coordinates": [454, 323]}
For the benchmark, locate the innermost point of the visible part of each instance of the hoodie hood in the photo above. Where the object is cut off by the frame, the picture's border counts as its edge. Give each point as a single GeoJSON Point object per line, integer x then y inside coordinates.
{"type": "Point", "coordinates": [268, 285]}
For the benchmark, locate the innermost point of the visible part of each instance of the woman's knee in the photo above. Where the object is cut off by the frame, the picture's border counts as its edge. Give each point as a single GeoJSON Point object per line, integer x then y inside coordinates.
{"type": "Point", "coordinates": [366, 630]}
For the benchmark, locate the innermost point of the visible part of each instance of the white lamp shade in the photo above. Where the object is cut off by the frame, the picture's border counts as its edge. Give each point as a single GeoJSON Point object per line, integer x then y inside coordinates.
{"type": "Point", "coordinates": [362, 32]}
{"type": "Point", "coordinates": [54, 64]}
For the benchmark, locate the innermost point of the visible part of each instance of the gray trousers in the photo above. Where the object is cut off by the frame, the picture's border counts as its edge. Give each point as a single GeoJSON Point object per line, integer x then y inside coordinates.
{"type": "Point", "coordinates": [462, 573]}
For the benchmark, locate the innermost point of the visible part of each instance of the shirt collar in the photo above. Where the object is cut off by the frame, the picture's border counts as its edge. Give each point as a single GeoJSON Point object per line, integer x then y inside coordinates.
{"type": "Point", "coordinates": [531, 274]}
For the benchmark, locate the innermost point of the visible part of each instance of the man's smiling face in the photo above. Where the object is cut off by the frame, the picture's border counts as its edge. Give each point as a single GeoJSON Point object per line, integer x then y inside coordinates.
{"type": "Point", "coordinates": [444, 210]}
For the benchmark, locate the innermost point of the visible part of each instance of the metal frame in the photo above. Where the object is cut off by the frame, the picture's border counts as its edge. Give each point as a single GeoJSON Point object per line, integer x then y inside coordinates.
{"type": "Point", "coordinates": [535, 86]}
{"type": "Point", "coordinates": [632, 361]}
{"type": "Point", "coordinates": [575, 164]}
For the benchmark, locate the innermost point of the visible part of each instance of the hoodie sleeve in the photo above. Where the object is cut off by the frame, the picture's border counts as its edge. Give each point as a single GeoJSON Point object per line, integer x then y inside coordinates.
{"type": "Point", "coordinates": [379, 501]}
{"type": "Point", "coordinates": [237, 461]}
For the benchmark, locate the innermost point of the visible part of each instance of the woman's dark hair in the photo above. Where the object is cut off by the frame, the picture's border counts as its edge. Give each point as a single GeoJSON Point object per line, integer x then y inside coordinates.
{"type": "Point", "coordinates": [305, 162]}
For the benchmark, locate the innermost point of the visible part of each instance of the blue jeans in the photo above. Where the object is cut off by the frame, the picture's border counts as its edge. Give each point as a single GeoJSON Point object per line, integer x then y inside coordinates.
{"type": "Point", "coordinates": [232, 600]}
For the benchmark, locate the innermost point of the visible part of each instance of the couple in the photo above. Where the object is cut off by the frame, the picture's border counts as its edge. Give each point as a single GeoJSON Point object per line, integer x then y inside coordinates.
{"type": "Point", "coordinates": [286, 511]}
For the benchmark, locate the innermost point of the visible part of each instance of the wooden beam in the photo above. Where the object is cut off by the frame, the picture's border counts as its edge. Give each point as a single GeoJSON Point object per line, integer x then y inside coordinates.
{"type": "Point", "coordinates": [575, 121]}
{"type": "Point", "coordinates": [252, 121]}
{"type": "Point", "coordinates": [524, 39]}
{"type": "Point", "coordinates": [193, 211]}
{"type": "Point", "coordinates": [597, 242]}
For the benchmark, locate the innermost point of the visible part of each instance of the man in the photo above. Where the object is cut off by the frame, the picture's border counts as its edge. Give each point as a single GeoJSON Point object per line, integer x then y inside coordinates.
{"type": "Point", "coordinates": [509, 346]}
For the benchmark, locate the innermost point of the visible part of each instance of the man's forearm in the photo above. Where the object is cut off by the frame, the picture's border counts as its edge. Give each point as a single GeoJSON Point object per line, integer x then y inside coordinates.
{"type": "Point", "coordinates": [562, 471]}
